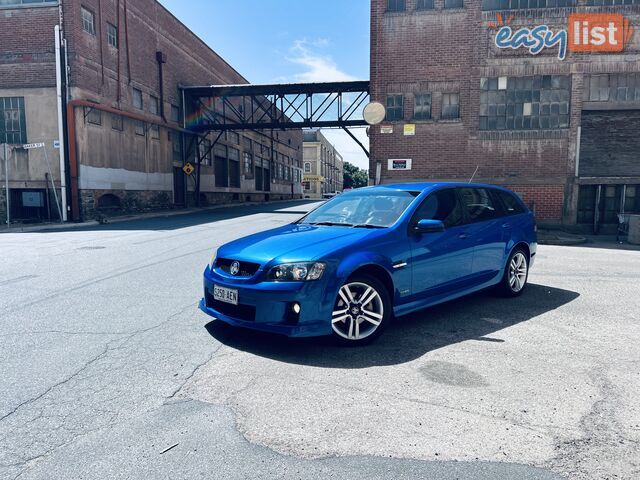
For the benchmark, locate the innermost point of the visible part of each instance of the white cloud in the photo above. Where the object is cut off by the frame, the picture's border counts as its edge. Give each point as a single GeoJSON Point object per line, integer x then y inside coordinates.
{"type": "Point", "coordinates": [320, 67]}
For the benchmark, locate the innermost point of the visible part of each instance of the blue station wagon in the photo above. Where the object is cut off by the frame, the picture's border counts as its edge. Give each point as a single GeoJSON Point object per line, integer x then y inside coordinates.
{"type": "Point", "coordinates": [352, 264]}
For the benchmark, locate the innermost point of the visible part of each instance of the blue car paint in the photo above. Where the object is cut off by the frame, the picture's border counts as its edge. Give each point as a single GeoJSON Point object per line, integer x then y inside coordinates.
{"type": "Point", "coordinates": [439, 267]}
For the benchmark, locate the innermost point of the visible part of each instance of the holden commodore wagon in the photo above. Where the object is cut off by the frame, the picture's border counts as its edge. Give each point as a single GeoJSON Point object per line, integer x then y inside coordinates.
{"type": "Point", "coordinates": [351, 265]}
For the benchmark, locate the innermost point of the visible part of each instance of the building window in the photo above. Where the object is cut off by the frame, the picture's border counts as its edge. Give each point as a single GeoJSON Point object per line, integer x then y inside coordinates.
{"type": "Point", "coordinates": [614, 87]}
{"type": "Point", "coordinates": [137, 99]}
{"type": "Point", "coordinates": [140, 128]}
{"type": "Point", "coordinates": [221, 166]}
{"type": "Point", "coordinates": [88, 21]}
{"type": "Point", "coordinates": [453, 3]}
{"type": "Point", "coordinates": [116, 122]}
{"type": "Point", "coordinates": [175, 114]}
{"type": "Point", "coordinates": [424, 5]}
{"type": "Point", "coordinates": [395, 109]}
{"type": "Point", "coordinates": [12, 120]}
{"type": "Point", "coordinates": [154, 105]}
{"type": "Point", "coordinates": [15, 3]}
{"type": "Point", "coordinates": [155, 132]}
{"type": "Point", "coordinates": [247, 144]}
{"type": "Point", "coordinates": [396, 5]}
{"type": "Point", "coordinates": [93, 116]}
{"type": "Point", "coordinates": [248, 164]}
{"type": "Point", "coordinates": [422, 108]}
{"type": "Point", "coordinates": [450, 106]}
{"type": "Point", "coordinates": [611, 2]}
{"type": "Point", "coordinates": [112, 35]}
{"type": "Point", "coordinates": [521, 4]}
{"type": "Point", "coordinates": [307, 167]}
{"type": "Point", "coordinates": [525, 103]}
{"type": "Point", "coordinates": [233, 138]}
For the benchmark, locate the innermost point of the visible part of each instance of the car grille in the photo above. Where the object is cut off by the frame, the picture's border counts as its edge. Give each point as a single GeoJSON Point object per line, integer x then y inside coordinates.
{"type": "Point", "coordinates": [247, 269]}
{"type": "Point", "coordinates": [240, 312]}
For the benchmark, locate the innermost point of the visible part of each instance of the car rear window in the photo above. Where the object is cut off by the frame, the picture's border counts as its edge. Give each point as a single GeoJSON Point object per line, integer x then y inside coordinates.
{"type": "Point", "coordinates": [512, 205]}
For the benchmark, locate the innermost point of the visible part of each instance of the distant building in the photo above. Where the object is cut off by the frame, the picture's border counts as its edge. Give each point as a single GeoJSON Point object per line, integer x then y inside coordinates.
{"type": "Point", "coordinates": [323, 166]}
{"type": "Point", "coordinates": [122, 112]}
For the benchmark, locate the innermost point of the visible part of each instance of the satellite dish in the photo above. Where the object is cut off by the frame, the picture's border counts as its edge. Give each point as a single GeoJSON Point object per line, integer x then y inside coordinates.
{"type": "Point", "coordinates": [374, 113]}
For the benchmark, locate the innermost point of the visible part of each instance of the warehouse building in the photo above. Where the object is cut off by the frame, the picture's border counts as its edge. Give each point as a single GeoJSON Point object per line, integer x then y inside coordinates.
{"type": "Point", "coordinates": [119, 123]}
{"type": "Point", "coordinates": [323, 166]}
{"type": "Point", "coordinates": [542, 96]}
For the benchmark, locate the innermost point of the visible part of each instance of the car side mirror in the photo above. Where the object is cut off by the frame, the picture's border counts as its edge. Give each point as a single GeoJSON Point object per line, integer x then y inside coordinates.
{"type": "Point", "coordinates": [429, 226]}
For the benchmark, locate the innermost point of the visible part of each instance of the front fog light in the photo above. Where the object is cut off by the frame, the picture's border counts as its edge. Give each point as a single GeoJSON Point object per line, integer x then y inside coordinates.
{"type": "Point", "coordinates": [296, 308]}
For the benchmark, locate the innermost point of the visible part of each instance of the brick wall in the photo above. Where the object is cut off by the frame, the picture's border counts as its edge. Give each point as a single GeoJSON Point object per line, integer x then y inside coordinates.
{"type": "Point", "coordinates": [27, 52]}
{"type": "Point", "coordinates": [449, 51]}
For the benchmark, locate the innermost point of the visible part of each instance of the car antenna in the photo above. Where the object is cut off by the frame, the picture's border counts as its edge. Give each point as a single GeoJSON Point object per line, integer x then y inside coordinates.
{"type": "Point", "coordinates": [474, 174]}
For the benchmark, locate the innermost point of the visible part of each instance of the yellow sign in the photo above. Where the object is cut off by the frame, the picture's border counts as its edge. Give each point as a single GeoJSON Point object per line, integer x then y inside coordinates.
{"type": "Point", "coordinates": [409, 129]}
{"type": "Point", "coordinates": [313, 178]}
{"type": "Point", "coordinates": [188, 169]}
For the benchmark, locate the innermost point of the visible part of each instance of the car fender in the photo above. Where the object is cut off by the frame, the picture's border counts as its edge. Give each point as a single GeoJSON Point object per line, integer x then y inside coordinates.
{"type": "Point", "coordinates": [352, 263]}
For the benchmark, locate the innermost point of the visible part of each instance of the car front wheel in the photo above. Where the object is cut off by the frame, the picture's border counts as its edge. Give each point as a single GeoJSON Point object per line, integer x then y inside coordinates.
{"type": "Point", "coordinates": [516, 274]}
{"type": "Point", "coordinates": [361, 310]}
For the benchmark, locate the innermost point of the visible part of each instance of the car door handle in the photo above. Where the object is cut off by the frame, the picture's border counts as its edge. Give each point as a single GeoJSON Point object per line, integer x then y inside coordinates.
{"type": "Point", "coordinates": [506, 225]}
{"type": "Point", "coordinates": [463, 236]}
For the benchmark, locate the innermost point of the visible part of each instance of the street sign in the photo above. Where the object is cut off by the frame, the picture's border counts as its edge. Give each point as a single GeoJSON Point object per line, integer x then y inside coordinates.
{"type": "Point", "coordinates": [188, 169]}
{"type": "Point", "coordinates": [30, 146]}
{"type": "Point", "coordinates": [56, 144]}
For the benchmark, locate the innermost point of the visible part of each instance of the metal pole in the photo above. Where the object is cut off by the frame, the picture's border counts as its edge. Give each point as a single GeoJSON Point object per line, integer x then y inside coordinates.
{"type": "Point", "coordinates": [53, 187]}
{"type": "Point", "coordinates": [6, 184]}
{"type": "Point", "coordinates": [61, 137]}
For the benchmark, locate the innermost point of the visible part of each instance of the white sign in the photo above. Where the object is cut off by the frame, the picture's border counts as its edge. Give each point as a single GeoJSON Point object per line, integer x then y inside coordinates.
{"type": "Point", "coordinates": [56, 144]}
{"type": "Point", "coordinates": [30, 146]}
{"type": "Point", "coordinates": [399, 164]}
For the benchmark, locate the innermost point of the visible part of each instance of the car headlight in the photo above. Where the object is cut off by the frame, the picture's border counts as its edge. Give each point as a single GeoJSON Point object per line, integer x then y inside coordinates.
{"type": "Point", "coordinates": [296, 272]}
{"type": "Point", "coordinates": [213, 259]}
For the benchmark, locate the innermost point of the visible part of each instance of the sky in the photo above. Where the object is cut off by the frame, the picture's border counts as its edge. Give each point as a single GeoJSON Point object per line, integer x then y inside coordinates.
{"type": "Point", "coordinates": [273, 41]}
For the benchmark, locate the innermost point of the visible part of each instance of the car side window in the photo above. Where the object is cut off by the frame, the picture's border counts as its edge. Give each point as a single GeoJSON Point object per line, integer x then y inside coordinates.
{"type": "Point", "coordinates": [478, 204]}
{"type": "Point", "coordinates": [442, 205]}
{"type": "Point", "coordinates": [511, 204]}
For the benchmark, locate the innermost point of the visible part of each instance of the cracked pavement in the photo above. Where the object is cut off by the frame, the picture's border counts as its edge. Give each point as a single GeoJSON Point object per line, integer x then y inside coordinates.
{"type": "Point", "coordinates": [107, 364]}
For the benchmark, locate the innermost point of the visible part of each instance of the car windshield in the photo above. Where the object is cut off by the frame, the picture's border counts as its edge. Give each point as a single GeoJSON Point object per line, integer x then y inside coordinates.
{"type": "Point", "coordinates": [366, 208]}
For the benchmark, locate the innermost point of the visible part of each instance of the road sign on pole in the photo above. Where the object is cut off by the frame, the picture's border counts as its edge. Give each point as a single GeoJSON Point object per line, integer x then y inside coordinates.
{"type": "Point", "coordinates": [188, 169]}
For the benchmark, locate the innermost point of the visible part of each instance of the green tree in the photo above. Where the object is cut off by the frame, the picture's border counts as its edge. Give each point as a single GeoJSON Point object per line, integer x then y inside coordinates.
{"type": "Point", "coordinates": [354, 177]}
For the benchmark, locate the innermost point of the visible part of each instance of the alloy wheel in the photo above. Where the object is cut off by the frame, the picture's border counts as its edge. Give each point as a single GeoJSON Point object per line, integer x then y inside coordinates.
{"type": "Point", "coordinates": [358, 311]}
{"type": "Point", "coordinates": [518, 272]}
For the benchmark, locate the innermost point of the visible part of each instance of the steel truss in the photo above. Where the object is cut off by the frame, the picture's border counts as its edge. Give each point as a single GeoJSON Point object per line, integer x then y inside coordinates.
{"type": "Point", "coordinates": [284, 106]}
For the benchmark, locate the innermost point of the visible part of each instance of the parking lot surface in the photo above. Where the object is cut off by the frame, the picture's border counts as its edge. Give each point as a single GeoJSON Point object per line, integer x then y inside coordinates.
{"type": "Point", "coordinates": [109, 370]}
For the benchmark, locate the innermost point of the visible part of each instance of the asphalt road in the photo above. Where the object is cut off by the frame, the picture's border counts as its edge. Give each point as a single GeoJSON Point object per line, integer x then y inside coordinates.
{"type": "Point", "coordinates": [109, 370]}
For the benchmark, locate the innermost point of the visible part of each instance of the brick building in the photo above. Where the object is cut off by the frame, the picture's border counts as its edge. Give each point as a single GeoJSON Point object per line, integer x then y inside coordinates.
{"type": "Point", "coordinates": [124, 138]}
{"type": "Point", "coordinates": [472, 86]}
{"type": "Point", "coordinates": [323, 166]}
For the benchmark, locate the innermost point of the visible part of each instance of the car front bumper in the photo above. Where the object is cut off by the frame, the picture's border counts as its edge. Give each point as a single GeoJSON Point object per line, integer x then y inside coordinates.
{"type": "Point", "coordinates": [266, 306]}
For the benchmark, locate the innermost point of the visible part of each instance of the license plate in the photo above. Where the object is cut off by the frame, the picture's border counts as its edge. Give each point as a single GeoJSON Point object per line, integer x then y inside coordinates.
{"type": "Point", "coordinates": [226, 295]}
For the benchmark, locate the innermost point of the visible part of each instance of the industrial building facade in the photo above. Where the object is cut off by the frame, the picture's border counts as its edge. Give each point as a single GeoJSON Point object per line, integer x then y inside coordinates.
{"type": "Point", "coordinates": [323, 166]}
{"type": "Point", "coordinates": [125, 143]}
{"type": "Point", "coordinates": [542, 96]}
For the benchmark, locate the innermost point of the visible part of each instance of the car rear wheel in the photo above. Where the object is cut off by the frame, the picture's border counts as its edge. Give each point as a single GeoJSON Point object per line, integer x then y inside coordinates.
{"type": "Point", "coordinates": [516, 273]}
{"type": "Point", "coordinates": [361, 310]}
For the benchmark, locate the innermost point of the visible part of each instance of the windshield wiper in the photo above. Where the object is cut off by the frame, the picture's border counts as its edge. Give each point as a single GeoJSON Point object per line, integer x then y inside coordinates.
{"type": "Point", "coordinates": [367, 225]}
{"type": "Point", "coordinates": [331, 224]}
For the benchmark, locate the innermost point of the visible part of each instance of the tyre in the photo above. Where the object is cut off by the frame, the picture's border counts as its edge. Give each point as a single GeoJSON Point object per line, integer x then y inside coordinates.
{"type": "Point", "coordinates": [361, 311]}
{"type": "Point", "coordinates": [516, 273]}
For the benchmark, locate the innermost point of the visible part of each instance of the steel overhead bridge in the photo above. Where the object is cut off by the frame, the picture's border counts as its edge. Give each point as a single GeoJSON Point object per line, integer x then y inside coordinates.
{"type": "Point", "coordinates": [277, 106]}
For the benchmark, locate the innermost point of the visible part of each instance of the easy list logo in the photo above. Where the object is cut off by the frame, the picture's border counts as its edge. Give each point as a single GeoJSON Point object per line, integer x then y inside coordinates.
{"type": "Point", "coordinates": [586, 33]}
